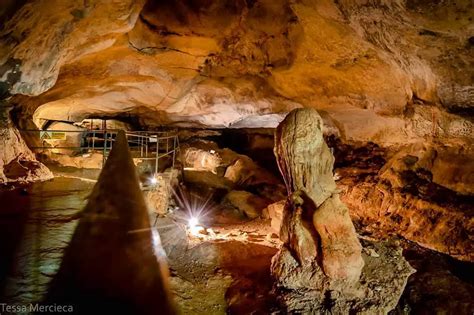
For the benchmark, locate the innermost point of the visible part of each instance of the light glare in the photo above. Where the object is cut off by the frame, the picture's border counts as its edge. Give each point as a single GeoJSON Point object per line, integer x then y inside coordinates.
{"type": "Point", "coordinates": [193, 221]}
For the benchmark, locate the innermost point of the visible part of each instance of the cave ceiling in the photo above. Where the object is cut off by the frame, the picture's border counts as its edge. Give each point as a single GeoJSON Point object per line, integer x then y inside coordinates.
{"type": "Point", "coordinates": [383, 71]}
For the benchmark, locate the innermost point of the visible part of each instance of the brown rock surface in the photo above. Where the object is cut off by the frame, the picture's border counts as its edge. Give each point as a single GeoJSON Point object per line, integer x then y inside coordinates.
{"type": "Point", "coordinates": [199, 159]}
{"type": "Point", "coordinates": [393, 73]}
{"type": "Point", "coordinates": [17, 162]}
{"type": "Point", "coordinates": [319, 268]}
{"type": "Point", "coordinates": [339, 246]}
{"type": "Point", "coordinates": [422, 193]}
{"type": "Point", "coordinates": [230, 63]}
{"type": "Point", "coordinates": [274, 212]}
{"type": "Point", "coordinates": [321, 223]}
{"type": "Point", "coordinates": [248, 203]}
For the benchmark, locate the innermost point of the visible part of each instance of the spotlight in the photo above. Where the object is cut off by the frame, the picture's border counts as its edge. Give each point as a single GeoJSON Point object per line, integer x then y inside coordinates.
{"type": "Point", "coordinates": [194, 227]}
{"type": "Point", "coordinates": [193, 221]}
{"type": "Point", "coordinates": [153, 180]}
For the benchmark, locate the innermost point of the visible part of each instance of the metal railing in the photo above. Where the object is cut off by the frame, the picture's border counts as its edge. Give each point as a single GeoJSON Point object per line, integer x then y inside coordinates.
{"type": "Point", "coordinates": [145, 145]}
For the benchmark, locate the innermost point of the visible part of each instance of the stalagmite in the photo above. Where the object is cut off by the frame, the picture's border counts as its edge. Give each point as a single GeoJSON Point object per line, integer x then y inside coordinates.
{"type": "Point", "coordinates": [306, 164]}
{"type": "Point", "coordinates": [321, 262]}
{"type": "Point", "coordinates": [114, 262]}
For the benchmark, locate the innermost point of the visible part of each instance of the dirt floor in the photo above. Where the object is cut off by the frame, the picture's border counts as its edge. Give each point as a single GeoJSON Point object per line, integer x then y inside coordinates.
{"type": "Point", "coordinates": [226, 270]}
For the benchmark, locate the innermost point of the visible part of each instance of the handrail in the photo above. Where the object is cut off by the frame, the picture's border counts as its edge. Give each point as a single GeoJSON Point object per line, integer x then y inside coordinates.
{"type": "Point", "coordinates": [142, 140]}
{"type": "Point", "coordinates": [113, 261]}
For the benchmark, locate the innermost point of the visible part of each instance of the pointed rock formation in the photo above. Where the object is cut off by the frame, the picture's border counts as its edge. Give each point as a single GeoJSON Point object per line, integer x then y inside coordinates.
{"type": "Point", "coordinates": [114, 262]}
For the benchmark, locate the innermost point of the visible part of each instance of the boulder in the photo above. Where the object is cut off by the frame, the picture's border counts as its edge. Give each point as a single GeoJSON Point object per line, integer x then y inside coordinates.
{"type": "Point", "coordinates": [74, 137]}
{"type": "Point", "coordinates": [198, 159]}
{"type": "Point", "coordinates": [88, 160]}
{"type": "Point", "coordinates": [274, 212]}
{"type": "Point", "coordinates": [245, 172]}
{"type": "Point", "coordinates": [248, 203]}
{"type": "Point", "coordinates": [339, 246]}
{"type": "Point", "coordinates": [451, 167]}
{"type": "Point", "coordinates": [17, 162]}
{"type": "Point", "coordinates": [207, 179]}
{"type": "Point", "coordinates": [423, 193]}
{"type": "Point", "coordinates": [159, 195]}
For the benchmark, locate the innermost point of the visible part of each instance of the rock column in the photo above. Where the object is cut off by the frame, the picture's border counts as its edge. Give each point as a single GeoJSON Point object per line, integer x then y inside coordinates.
{"type": "Point", "coordinates": [322, 267]}
{"type": "Point", "coordinates": [316, 228]}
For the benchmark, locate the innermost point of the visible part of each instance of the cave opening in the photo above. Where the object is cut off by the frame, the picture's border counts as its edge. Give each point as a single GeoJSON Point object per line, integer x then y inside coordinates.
{"type": "Point", "coordinates": [236, 157]}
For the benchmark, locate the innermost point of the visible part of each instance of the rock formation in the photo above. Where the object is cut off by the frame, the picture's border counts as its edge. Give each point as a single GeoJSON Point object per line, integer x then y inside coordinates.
{"type": "Point", "coordinates": [316, 225]}
{"type": "Point", "coordinates": [247, 203]}
{"type": "Point", "coordinates": [246, 63]}
{"type": "Point", "coordinates": [17, 162]}
{"type": "Point", "coordinates": [115, 261]}
{"type": "Point", "coordinates": [423, 187]}
{"type": "Point", "coordinates": [321, 255]}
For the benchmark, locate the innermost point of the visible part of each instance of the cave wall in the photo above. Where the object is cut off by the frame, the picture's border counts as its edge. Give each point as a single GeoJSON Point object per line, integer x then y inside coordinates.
{"type": "Point", "coordinates": [395, 73]}
{"type": "Point", "coordinates": [17, 162]}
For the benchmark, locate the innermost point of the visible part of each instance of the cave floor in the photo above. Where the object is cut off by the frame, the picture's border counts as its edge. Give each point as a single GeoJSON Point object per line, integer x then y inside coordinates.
{"type": "Point", "coordinates": [224, 271]}
{"type": "Point", "coordinates": [227, 270]}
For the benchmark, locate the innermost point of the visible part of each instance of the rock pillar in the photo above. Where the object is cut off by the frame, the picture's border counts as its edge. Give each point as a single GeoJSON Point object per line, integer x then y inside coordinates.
{"type": "Point", "coordinates": [320, 267]}
{"type": "Point", "coordinates": [316, 225]}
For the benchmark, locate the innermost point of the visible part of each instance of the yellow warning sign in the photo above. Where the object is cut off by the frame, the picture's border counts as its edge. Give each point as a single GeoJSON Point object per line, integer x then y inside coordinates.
{"type": "Point", "coordinates": [52, 135]}
{"type": "Point", "coordinates": [44, 135]}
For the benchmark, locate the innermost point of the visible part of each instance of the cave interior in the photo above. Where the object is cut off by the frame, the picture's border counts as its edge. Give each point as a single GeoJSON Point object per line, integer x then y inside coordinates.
{"type": "Point", "coordinates": [237, 156]}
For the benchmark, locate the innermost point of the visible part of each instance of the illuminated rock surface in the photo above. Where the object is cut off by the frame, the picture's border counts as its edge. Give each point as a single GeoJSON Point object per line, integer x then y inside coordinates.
{"type": "Point", "coordinates": [316, 225]}
{"type": "Point", "coordinates": [17, 162]}
{"type": "Point", "coordinates": [231, 62]}
{"type": "Point", "coordinates": [321, 254]}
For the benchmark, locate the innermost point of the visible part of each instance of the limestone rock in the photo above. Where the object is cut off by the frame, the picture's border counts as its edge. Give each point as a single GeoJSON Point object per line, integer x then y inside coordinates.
{"type": "Point", "coordinates": [146, 60]}
{"type": "Point", "coordinates": [158, 196]}
{"type": "Point", "coordinates": [340, 247]}
{"type": "Point", "coordinates": [422, 194]}
{"type": "Point", "coordinates": [87, 160]}
{"type": "Point", "coordinates": [446, 165]}
{"type": "Point", "coordinates": [248, 203]}
{"type": "Point", "coordinates": [274, 212]}
{"type": "Point", "coordinates": [207, 179]}
{"type": "Point", "coordinates": [303, 157]}
{"type": "Point", "coordinates": [245, 172]}
{"type": "Point", "coordinates": [320, 267]}
{"type": "Point", "coordinates": [306, 165]}
{"type": "Point", "coordinates": [246, 64]}
{"type": "Point", "coordinates": [17, 162]}
{"type": "Point", "coordinates": [238, 169]}
{"type": "Point", "coordinates": [305, 289]}
{"type": "Point", "coordinates": [74, 138]}
{"type": "Point", "coordinates": [23, 169]}
{"type": "Point", "coordinates": [55, 37]}
{"type": "Point", "coordinates": [201, 159]}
